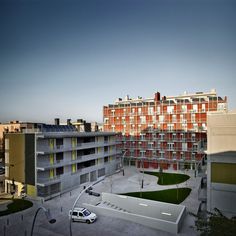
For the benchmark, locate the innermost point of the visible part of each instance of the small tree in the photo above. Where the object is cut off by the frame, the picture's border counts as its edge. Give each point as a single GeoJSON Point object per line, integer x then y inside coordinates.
{"type": "Point", "coordinates": [215, 224]}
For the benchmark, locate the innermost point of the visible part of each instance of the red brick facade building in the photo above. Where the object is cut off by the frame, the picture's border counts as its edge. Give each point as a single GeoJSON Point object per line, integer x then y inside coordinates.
{"type": "Point", "coordinates": [169, 131]}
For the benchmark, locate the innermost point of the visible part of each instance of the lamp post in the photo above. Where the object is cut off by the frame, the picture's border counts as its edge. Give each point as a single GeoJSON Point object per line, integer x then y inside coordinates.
{"type": "Point", "coordinates": [123, 156]}
{"type": "Point", "coordinates": [77, 199]}
{"type": "Point", "coordinates": [142, 174]}
{"type": "Point", "coordinates": [48, 215]}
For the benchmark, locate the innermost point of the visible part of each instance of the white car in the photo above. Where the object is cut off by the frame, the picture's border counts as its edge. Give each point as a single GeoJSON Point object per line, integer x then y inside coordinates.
{"type": "Point", "coordinates": [83, 215]}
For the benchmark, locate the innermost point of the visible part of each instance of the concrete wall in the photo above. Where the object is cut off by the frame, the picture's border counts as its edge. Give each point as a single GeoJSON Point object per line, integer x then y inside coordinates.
{"type": "Point", "coordinates": [158, 215]}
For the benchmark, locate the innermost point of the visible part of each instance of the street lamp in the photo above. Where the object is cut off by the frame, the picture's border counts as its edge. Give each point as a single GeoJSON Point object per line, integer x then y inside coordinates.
{"type": "Point", "coordinates": [48, 215]}
{"type": "Point", "coordinates": [77, 199]}
{"type": "Point", "coordinates": [143, 174]}
{"type": "Point", "coordinates": [123, 156]}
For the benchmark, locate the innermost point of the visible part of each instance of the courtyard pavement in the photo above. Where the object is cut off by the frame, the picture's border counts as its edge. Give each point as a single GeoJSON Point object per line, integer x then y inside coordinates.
{"type": "Point", "coordinates": [20, 223]}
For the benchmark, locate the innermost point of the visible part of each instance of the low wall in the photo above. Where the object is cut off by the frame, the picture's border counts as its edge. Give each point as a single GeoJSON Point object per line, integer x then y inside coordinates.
{"type": "Point", "coordinates": [158, 215]}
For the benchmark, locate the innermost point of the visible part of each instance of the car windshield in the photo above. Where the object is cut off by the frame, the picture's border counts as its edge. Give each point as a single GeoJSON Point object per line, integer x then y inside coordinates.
{"type": "Point", "coordinates": [87, 212]}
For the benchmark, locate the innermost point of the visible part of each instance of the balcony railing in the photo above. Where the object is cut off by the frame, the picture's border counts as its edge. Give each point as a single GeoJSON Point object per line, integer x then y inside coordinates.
{"type": "Point", "coordinates": [79, 146]}
{"type": "Point", "coordinates": [48, 180]}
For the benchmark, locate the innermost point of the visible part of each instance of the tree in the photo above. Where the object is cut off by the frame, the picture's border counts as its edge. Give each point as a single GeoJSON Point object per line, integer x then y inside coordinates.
{"type": "Point", "coordinates": [215, 224]}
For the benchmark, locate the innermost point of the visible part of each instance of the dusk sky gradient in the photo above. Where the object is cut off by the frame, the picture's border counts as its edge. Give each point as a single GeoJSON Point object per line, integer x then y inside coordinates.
{"type": "Point", "coordinates": [67, 59]}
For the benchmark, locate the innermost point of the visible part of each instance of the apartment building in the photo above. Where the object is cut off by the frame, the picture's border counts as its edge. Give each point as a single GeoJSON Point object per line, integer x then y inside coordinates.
{"type": "Point", "coordinates": [168, 131]}
{"type": "Point", "coordinates": [221, 162]}
{"type": "Point", "coordinates": [12, 126]}
{"type": "Point", "coordinates": [57, 158]}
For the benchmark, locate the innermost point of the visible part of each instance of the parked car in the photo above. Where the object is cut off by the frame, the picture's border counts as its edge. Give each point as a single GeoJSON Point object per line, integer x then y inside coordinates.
{"type": "Point", "coordinates": [83, 215]}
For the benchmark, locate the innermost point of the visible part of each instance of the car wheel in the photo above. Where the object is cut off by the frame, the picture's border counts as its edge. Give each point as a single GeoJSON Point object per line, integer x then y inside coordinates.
{"type": "Point", "coordinates": [88, 221]}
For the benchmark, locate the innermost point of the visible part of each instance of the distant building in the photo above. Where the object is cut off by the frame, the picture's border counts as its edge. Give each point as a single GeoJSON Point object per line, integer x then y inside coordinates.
{"type": "Point", "coordinates": [167, 131]}
{"type": "Point", "coordinates": [57, 158]}
{"type": "Point", "coordinates": [94, 127]}
{"type": "Point", "coordinates": [221, 162]}
{"type": "Point", "coordinates": [82, 126]}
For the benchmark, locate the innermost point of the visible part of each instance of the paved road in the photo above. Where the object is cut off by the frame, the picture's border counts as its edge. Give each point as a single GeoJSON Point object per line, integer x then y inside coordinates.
{"type": "Point", "coordinates": [20, 223]}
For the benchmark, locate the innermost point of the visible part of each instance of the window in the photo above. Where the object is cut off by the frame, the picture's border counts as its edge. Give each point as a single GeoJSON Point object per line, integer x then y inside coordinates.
{"type": "Point", "coordinates": [154, 119]}
{"type": "Point", "coordinates": [184, 127]}
{"type": "Point", "coordinates": [193, 116]}
{"type": "Point", "coordinates": [158, 110]}
{"type": "Point", "coordinates": [161, 118]}
{"type": "Point", "coordinates": [184, 108]}
{"type": "Point", "coordinates": [174, 155]}
{"type": "Point", "coordinates": [184, 146]}
{"type": "Point", "coordinates": [173, 118]}
{"type": "Point", "coordinates": [81, 215]}
{"type": "Point", "coordinates": [170, 109]}
{"type": "Point", "coordinates": [131, 119]}
{"type": "Point", "coordinates": [195, 147]}
{"type": "Point", "coordinates": [143, 119]}
{"type": "Point", "coordinates": [170, 146]}
{"type": "Point", "coordinates": [123, 120]}
{"type": "Point", "coordinates": [139, 110]}
{"type": "Point", "coordinates": [170, 127]}
{"type": "Point", "coordinates": [221, 106]}
{"type": "Point", "coordinates": [195, 108]}
{"type": "Point", "coordinates": [59, 156]}
{"type": "Point", "coordinates": [59, 171]}
{"type": "Point", "coordinates": [203, 107]}
{"type": "Point", "coordinates": [150, 110]}
{"type": "Point", "coordinates": [106, 120]}
{"type": "Point", "coordinates": [75, 213]}
{"type": "Point", "coordinates": [174, 136]}
{"type": "Point", "coordinates": [113, 128]}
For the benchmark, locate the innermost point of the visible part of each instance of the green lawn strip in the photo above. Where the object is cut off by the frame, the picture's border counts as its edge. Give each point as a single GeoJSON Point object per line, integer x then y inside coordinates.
{"type": "Point", "coordinates": [175, 195]}
{"type": "Point", "coordinates": [169, 178]}
{"type": "Point", "coordinates": [15, 206]}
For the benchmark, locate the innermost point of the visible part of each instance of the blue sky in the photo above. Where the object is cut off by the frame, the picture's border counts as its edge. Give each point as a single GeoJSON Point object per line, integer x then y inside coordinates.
{"type": "Point", "coordinates": [67, 59]}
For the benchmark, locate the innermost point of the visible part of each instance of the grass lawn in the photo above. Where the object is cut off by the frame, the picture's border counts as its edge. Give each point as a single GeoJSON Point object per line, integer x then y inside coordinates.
{"type": "Point", "coordinates": [15, 206]}
{"type": "Point", "coordinates": [169, 178]}
{"type": "Point", "coordinates": [175, 196]}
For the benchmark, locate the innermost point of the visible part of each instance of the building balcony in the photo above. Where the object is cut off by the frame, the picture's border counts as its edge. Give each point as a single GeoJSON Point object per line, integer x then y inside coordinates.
{"type": "Point", "coordinates": [46, 165]}
{"type": "Point", "coordinates": [45, 181]}
{"type": "Point", "coordinates": [79, 146]}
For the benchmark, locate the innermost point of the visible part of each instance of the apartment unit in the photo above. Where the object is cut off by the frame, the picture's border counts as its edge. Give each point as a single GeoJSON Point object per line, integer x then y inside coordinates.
{"type": "Point", "coordinates": [57, 158]}
{"type": "Point", "coordinates": [221, 162]}
{"type": "Point", "coordinates": [168, 131]}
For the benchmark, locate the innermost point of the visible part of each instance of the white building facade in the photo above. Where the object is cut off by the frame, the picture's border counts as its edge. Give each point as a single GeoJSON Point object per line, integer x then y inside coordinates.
{"type": "Point", "coordinates": [221, 162]}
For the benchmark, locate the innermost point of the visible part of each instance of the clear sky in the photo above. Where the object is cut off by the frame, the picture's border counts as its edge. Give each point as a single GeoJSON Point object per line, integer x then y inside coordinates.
{"type": "Point", "coordinates": [67, 58]}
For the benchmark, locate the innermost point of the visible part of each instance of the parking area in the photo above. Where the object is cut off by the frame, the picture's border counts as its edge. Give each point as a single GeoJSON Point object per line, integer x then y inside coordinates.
{"type": "Point", "coordinates": [20, 223]}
